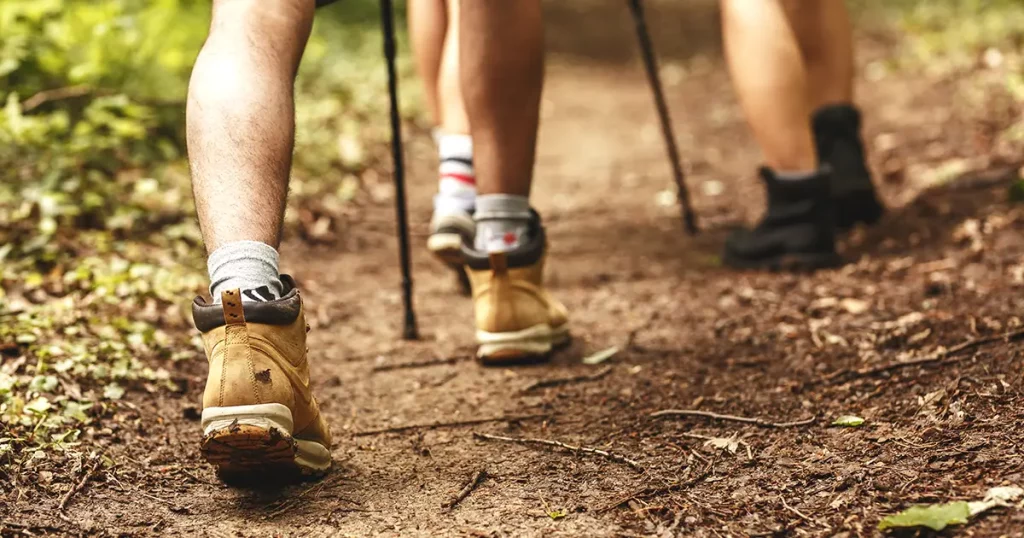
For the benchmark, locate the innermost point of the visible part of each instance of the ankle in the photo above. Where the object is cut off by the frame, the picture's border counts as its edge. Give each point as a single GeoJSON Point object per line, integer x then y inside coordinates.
{"type": "Point", "coordinates": [250, 266]}
{"type": "Point", "coordinates": [503, 222]}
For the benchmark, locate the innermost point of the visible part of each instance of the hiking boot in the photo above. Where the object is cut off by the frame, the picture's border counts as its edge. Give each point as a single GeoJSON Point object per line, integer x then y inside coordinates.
{"type": "Point", "coordinates": [517, 320]}
{"type": "Point", "coordinates": [838, 142]}
{"type": "Point", "coordinates": [796, 232]}
{"type": "Point", "coordinates": [449, 229]}
{"type": "Point", "coordinates": [259, 413]}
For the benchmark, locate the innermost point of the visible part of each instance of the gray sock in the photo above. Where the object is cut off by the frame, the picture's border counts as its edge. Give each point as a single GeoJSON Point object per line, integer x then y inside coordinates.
{"type": "Point", "coordinates": [250, 266]}
{"type": "Point", "coordinates": [502, 222]}
{"type": "Point", "coordinates": [796, 175]}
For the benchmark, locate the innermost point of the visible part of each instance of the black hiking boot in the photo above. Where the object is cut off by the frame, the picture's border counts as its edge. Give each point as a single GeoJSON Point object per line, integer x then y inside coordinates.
{"type": "Point", "coordinates": [797, 231]}
{"type": "Point", "coordinates": [839, 145]}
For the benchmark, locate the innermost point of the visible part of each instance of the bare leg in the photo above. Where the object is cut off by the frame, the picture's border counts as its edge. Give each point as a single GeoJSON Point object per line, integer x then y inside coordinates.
{"type": "Point", "coordinates": [502, 53]}
{"type": "Point", "coordinates": [428, 25]}
{"type": "Point", "coordinates": [452, 105]}
{"type": "Point", "coordinates": [241, 118]}
{"type": "Point", "coordinates": [825, 37]}
{"type": "Point", "coordinates": [771, 81]}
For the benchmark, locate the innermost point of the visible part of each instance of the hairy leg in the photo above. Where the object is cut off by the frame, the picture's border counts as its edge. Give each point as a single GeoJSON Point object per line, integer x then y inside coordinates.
{"type": "Point", "coordinates": [502, 57]}
{"type": "Point", "coordinates": [825, 38]}
{"type": "Point", "coordinates": [241, 118]}
{"type": "Point", "coordinates": [771, 81]}
{"type": "Point", "coordinates": [428, 27]}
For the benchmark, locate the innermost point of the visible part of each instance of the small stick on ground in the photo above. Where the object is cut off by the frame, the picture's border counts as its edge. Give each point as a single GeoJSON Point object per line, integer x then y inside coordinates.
{"type": "Point", "coordinates": [849, 375]}
{"type": "Point", "coordinates": [417, 364]}
{"type": "Point", "coordinates": [648, 493]}
{"type": "Point", "coordinates": [755, 421]}
{"type": "Point", "coordinates": [477, 479]}
{"type": "Point", "coordinates": [578, 449]}
{"type": "Point", "coordinates": [453, 424]}
{"type": "Point", "coordinates": [97, 461]}
{"type": "Point", "coordinates": [801, 514]}
{"type": "Point", "coordinates": [545, 383]}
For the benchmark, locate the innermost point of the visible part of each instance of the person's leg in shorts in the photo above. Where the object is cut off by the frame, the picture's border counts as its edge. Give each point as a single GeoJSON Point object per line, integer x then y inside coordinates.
{"type": "Point", "coordinates": [258, 411]}
{"type": "Point", "coordinates": [773, 80]}
{"type": "Point", "coordinates": [434, 32]}
{"type": "Point", "coordinates": [502, 71]}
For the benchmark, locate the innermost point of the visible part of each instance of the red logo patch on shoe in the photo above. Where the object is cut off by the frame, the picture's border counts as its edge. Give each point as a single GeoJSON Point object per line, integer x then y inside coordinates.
{"type": "Point", "coordinates": [510, 238]}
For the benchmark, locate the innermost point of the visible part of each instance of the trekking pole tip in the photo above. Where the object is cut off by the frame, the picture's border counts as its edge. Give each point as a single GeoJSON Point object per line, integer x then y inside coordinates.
{"type": "Point", "coordinates": [410, 332]}
{"type": "Point", "coordinates": [690, 223]}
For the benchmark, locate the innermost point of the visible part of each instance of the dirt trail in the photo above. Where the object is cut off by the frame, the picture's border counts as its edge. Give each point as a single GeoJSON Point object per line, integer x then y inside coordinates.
{"type": "Point", "coordinates": [691, 335]}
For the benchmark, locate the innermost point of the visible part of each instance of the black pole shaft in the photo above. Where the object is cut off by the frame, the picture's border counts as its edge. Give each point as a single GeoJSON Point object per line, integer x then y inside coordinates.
{"type": "Point", "coordinates": [651, 64]}
{"type": "Point", "coordinates": [387, 16]}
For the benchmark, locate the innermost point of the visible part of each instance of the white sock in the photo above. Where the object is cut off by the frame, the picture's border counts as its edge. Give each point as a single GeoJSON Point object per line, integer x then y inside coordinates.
{"type": "Point", "coordinates": [796, 175]}
{"type": "Point", "coordinates": [502, 222]}
{"type": "Point", "coordinates": [250, 266]}
{"type": "Point", "coordinates": [456, 190]}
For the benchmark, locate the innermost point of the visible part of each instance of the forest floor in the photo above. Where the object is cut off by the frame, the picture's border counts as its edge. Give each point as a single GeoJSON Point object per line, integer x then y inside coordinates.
{"type": "Point", "coordinates": [911, 336]}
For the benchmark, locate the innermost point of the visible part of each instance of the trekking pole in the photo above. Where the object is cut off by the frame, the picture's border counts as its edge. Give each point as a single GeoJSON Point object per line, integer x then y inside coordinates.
{"type": "Point", "coordinates": [651, 63]}
{"type": "Point", "coordinates": [387, 17]}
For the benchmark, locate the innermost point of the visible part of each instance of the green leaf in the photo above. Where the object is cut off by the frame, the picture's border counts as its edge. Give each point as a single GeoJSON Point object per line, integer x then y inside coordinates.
{"type": "Point", "coordinates": [849, 421]}
{"type": "Point", "coordinates": [76, 410]}
{"type": "Point", "coordinates": [934, 516]}
{"type": "Point", "coordinates": [39, 406]}
{"type": "Point", "coordinates": [43, 383]}
{"type": "Point", "coordinates": [601, 356]}
{"type": "Point", "coordinates": [113, 391]}
{"type": "Point", "coordinates": [558, 514]}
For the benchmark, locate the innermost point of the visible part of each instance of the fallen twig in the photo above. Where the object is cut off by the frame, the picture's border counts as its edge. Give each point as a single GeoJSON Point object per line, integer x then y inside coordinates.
{"type": "Point", "coordinates": [97, 461]}
{"type": "Point", "coordinates": [801, 514]}
{"type": "Point", "coordinates": [477, 479]}
{"type": "Point", "coordinates": [417, 364]}
{"type": "Point", "coordinates": [756, 421]}
{"type": "Point", "coordinates": [545, 383]}
{"type": "Point", "coordinates": [453, 424]}
{"type": "Point", "coordinates": [849, 375]}
{"type": "Point", "coordinates": [291, 502]}
{"type": "Point", "coordinates": [579, 449]}
{"type": "Point", "coordinates": [648, 493]}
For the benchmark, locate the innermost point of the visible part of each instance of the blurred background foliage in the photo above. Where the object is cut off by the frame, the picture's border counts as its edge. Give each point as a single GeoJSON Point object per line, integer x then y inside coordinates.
{"type": "Point", "coordinates": [99, 249]}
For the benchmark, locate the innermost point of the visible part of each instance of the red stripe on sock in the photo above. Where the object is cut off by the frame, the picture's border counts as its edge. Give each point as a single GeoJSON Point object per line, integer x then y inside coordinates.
{"type": "Point", "coordinates": [462, 178]}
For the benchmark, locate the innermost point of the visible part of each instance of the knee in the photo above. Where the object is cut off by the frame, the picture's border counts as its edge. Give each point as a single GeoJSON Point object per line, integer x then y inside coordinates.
{"type": "Point", "coordinates": [273, 18]}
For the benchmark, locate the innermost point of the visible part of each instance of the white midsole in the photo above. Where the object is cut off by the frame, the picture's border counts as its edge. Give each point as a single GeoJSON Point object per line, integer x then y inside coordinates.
{"type": "Point", "coordinates": [444, 242]}
{"type": "Point", "coordinates": [538, 339]}
{"type": "Point", "coordinates": [267, 416]}
{"type": "Point", "coordinates": [459, 220]}
{"type": "Point", "coordinates": [309, 454]}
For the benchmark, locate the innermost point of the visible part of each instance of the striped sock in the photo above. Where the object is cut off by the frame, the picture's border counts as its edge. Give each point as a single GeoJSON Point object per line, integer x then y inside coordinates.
{"type": "Point", "coordinates": [456, 190]}
{"type": "Point", "coordinates": [250, 266]}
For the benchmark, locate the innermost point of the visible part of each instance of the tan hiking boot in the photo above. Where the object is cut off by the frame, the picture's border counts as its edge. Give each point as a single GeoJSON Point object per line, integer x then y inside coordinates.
{"type": "Point", "coordinates": [258, 410]}
{"type": "Point", "coordinates": [517, 320]}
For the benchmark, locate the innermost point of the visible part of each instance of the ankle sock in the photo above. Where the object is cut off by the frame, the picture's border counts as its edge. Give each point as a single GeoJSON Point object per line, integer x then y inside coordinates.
{"type": "Point", "coordinates": [796, 175]}
{"type": "Point", "coordinates": [250, 266]}
{"type": "Point", "coordinates": [502, 222]}
{"type": "Point", "coordinates": [456, 190]}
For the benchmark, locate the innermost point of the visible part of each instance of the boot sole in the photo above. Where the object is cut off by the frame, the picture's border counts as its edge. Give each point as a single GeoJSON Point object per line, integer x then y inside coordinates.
{"type": "Point", "coordinates": [527, 346]}
{"type": "Point", "coordinates": [446, 247]}
{"type": "Point", "coordinates": [247, 439]}
{"type": "Point", "coordinates": [788, 262]}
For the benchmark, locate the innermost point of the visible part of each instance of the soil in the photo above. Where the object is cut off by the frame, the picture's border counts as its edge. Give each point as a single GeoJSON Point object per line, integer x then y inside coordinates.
{"type": "Point", "coordinates": [942, 269]}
